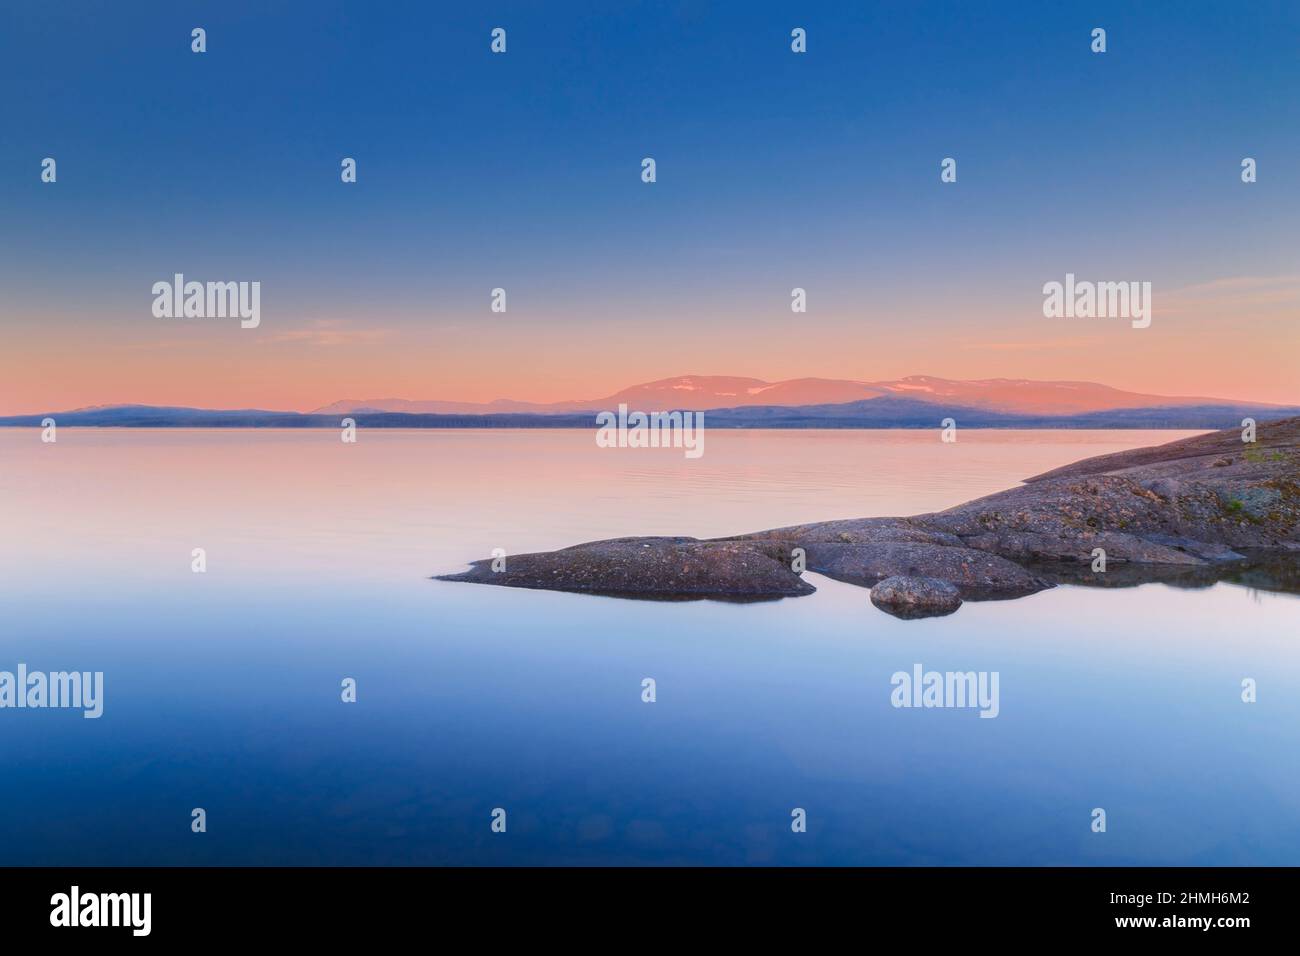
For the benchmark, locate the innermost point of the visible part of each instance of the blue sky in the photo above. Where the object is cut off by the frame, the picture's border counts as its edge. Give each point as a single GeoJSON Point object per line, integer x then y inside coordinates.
{"type": "Point", "coordinates": [774, 170]}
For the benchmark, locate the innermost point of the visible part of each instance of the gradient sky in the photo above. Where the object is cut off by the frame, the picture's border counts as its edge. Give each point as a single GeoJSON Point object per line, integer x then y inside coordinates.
{"type": "Point", "coordinates": [522, 171]}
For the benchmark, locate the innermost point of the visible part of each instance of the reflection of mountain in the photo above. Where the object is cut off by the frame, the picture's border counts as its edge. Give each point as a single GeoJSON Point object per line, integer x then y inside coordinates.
{"type": "Point", "coordinates": [715, 391]}
{"type": "Point", "coordinates": [884, 412]}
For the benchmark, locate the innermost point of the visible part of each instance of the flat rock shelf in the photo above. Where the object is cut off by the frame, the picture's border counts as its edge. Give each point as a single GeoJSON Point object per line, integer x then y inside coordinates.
{"type": "Point", "coordinates": [1188, 512]}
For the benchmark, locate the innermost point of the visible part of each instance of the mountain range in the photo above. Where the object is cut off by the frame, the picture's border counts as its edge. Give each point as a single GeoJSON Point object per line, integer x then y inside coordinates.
{"type": "Point", "coordinates": [917, 401]}
{"type": "Point", "coordinates": [704, 392]}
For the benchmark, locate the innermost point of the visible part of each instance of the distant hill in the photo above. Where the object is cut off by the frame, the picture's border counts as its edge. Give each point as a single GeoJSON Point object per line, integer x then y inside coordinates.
{"type": "Point", "coordinates": [702, 392]}
{"type": "Point", "coordinates": [882, 412]}
{"type": "Point", "coordinates": [912, 413]}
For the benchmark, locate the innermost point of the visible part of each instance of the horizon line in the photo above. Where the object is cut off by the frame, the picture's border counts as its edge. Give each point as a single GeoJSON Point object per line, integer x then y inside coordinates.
{"type": "Point", "coordinates": [315, 409]}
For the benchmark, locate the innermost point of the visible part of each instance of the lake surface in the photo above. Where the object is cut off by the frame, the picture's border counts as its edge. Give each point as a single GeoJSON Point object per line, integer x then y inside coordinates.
{"type": "Point", "coordinates": [222, 689]}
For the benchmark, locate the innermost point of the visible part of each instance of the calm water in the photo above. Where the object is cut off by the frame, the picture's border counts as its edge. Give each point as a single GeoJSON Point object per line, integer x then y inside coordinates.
{"type": "Point", "coordinates": [222, 689]}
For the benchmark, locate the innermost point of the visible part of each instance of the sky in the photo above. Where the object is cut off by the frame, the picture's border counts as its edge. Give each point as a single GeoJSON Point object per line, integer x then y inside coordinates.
{"type": "Point", "coordinates": [522, 171]}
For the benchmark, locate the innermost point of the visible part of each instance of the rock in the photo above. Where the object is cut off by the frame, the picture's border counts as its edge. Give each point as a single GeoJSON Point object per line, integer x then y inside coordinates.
{"type": "Point", "coordinates": [913, 597]}
{"type": "Point", "coordinates": [862, 531]}
{"type": "Point", "coordinates": [976, 574]}
{"type": "Point", "coordinates": [1193, 511]}
{"type": "Point", "coordinates": [664, 568]}
{"type": "Point", "coordinates": [1134, 503]}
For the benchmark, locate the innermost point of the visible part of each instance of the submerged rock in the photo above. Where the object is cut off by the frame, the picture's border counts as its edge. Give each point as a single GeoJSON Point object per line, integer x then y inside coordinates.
{"type": "Point", "coordinates": [913, 597]}
{"type": "Point", "coordinates": [1190, 511]}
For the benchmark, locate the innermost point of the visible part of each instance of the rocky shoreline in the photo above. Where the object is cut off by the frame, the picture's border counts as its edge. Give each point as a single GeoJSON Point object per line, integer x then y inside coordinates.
{"type": "Point", "coordinates": [1193, 510]}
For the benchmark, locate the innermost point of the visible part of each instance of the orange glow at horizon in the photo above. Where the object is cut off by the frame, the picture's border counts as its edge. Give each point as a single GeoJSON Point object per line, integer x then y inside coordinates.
{"type": "Point", "coordinates": [302, 365]}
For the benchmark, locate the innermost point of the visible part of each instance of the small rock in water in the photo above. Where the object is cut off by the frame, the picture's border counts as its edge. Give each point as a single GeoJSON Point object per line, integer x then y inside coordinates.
{"type": "Point", "coordinates": [912, 597]}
